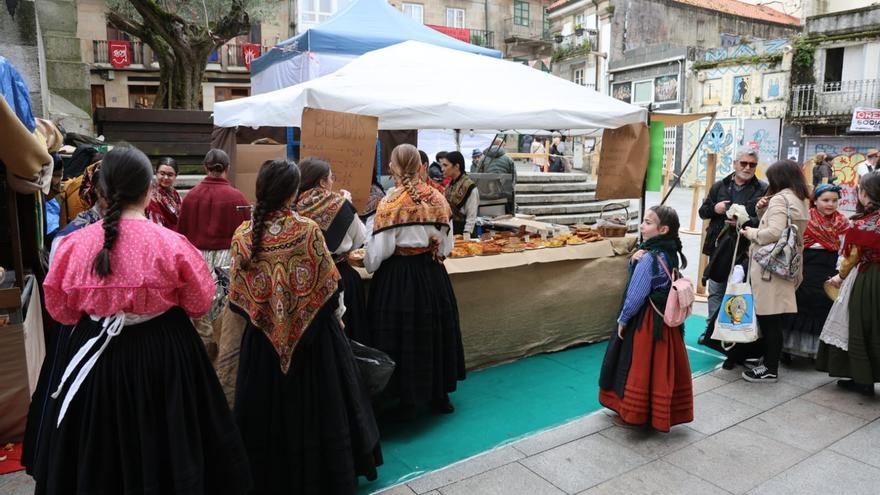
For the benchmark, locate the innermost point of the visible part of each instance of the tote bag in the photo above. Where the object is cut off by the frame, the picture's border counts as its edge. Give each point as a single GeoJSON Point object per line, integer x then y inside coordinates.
{"type": "Point", "coordinates": [836, 329]}
{"type": "Point", "coordinates": [736, 322]}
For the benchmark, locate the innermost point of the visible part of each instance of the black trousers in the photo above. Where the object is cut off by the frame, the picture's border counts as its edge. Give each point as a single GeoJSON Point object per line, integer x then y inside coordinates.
{"type": "Point", "coordinates": [772, 327]}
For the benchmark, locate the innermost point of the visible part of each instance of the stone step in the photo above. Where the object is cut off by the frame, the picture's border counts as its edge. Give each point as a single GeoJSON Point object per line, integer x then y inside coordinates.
{"type": "Point", "coordinates": [540, 177]}
{"type": "Point", "coordinates": [583, 218]}
{"type": "Point", "coordinates": [543, 199]}
{"type": "Point", "coordinates": [554, 187]}
{"type": "Point", "coordinates": [188, 181]}
{"type": "Point", "coordinates": [570, 208]}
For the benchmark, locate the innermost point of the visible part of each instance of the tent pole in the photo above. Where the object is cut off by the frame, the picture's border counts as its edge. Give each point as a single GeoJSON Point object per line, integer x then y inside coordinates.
{"type": "Point", "coordinates": [693, 153]}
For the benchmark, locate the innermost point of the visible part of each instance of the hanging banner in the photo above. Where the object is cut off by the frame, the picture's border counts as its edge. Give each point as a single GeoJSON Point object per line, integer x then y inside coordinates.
{"type": "Point", "coordinates": [250, 52]}
{"type": "Point", "coordinates": [461, 34]}
{"type": "Point", "coordinates": [654, 176]}
{"type": "Point", "coordinates": [623, 162]}
{"type": "Point", "coordinates": [348, 142]}
{"type": "Point", "coordinates": [865, 120]}
{"type": "Point", "coordinates": [120, 53]}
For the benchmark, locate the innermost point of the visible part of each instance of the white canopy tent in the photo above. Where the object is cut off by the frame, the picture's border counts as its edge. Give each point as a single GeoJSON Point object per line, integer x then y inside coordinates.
{"type": "Point", "coordinates": [414, 85]}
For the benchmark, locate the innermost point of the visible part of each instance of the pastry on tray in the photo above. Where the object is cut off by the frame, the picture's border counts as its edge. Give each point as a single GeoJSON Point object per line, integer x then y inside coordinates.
{"type": "Point", "coordinates": [460, 252]}
{"type": "Point", "coordinates": [556, 243]}
{"type": "Point", "coordinates": [574, 240]}
{"type": "Point", "coordinates": [491, 249]}
{"type": "Point", "coordinates": [356, 257]}
{"type": "Point", "coordinates": [474, 248]}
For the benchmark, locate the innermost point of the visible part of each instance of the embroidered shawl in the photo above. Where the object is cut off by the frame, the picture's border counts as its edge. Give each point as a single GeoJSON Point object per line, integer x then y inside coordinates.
{"type": "Point", "coordinates": [865, 234]}
{"type": "Point", "coordinates": [400, 209]}
{"type": "Point", "coordinates": [330, 210]}
{"type": "Point", "coordinates": [164, 207]}
{"type": "Point", "coordinates": [291, 279]}
{"type": "Point", "coordinates": [824, 230]}
{"type": "Point", "coordinates": [458, 192]}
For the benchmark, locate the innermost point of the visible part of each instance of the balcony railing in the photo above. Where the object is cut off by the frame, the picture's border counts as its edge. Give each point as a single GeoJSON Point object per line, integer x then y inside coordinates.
{"type": "Point", "coordinates": [530, 31]}
{"type": "Point", "coordinates": [575, 45]}
{"type": "Point", "coordinates": [483, 38]}
{"type": "Point", "coordinates": [834, 99]}
{"type": "Point", "coordinates": [101, 52]}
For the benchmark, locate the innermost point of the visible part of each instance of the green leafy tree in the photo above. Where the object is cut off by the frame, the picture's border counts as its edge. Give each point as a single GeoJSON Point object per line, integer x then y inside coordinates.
{"type": "Point", "coordinates": [183, 34]}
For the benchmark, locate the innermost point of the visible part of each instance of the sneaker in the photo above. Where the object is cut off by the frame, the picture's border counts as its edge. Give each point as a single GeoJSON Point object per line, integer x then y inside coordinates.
{"type": "Point", "coordinates": [759, 374]}
{"type": "Point", "coordinates": [752, 363]}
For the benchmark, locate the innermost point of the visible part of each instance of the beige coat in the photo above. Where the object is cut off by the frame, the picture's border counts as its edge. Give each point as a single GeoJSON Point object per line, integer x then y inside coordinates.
{"type": "Point", "coordinates": [776, 295]}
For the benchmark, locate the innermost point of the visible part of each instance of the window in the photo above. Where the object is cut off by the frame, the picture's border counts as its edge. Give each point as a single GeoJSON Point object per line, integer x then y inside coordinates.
{"type": "Point", "coordinates": [520, 13]}
{"type": "Point", "coordinates": [415, 11]}
{"type": "Point", "coordinates": [834, 65]}
{"type": "Point", "coordinates": [226, 93]}
{"type": "Point", "coordinates": [455, 18]}
{"type": "Point", "coordinates": [579, 20]}
{"type": "Point", "coordinates": [142, 96]}
{"type": "Point", "coordinates": [314, 12]}
{"type": "Point", "coordinates": [98, 99]}
{"type": "Point", "coordinates": [643, 91]}
{"type": "Point", "coordinates": [578, 77]}
{"type": "Point", "coordinates": [546, 19]}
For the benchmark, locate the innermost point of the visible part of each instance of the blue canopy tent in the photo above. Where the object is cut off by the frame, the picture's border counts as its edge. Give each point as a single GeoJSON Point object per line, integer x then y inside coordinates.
{"type": "Point", "coordinates": [363, 26]}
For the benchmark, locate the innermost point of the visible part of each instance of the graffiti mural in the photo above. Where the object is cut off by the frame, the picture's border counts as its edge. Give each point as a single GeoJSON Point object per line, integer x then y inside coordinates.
{"type": "Point", "coordinates": [847, 153]}
{"type": "Point", "coordinates": [720, 140]}
{"type": "Point", "coordinates": [762, 135]}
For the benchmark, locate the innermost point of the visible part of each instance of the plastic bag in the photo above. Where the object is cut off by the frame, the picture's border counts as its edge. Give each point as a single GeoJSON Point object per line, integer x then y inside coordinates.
{"type": "Point", "coordinates": [375, 366]}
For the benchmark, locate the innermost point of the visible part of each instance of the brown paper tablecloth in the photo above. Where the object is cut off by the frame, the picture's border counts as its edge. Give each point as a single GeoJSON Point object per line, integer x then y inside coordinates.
{"type": "Point", "coordinates": [517, 305]}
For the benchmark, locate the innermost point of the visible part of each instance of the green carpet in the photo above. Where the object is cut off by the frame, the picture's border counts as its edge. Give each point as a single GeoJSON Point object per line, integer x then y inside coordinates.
{"type": "Point", "coordinates": [500, 404]}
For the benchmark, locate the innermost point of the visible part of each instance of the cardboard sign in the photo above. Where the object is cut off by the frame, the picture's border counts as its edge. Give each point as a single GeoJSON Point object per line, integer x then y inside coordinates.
{"type": "Point", "coordinates": [120, 53]}
{"type": "Point", "coordinates": [865, 120]}
{"type": "Point", "coordinates": [348, 142]}
{"type": "Point", "coordinates": [248, 159]}
{"type": "Point", "coordinates": [623, 162]}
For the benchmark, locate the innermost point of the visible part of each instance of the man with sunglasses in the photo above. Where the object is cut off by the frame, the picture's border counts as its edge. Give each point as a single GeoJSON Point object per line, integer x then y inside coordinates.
{"type": "Point", "coordinates": [740, 187]}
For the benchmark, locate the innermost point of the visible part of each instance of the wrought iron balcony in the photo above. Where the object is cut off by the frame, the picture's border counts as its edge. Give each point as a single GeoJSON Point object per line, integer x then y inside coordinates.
{"type": "Point", "coordinates": [483, 38]}
{"type": "Point", "coordinates": [575, 45]}
{"type": "Point", "coordinates": [833, 100]}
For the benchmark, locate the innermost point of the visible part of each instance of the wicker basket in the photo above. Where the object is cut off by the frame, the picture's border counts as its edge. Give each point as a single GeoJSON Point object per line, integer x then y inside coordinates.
{"type": "Point", "coordinates": [612, 230]}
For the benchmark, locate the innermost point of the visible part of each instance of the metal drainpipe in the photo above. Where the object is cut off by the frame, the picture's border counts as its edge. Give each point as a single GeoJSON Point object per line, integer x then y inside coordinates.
{"type": "Point", "coordinates": [595, 49]}
{"type": "Point", "coordinates": [486, 17]}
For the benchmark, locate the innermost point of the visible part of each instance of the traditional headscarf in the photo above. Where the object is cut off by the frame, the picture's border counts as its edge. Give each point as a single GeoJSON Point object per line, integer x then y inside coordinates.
{"type": "Point", "coordinates": [823, 230]}
{"type": "Point", "coordinates": [286, 286]}
{"type": "Point", "coordinates": [87, 187]}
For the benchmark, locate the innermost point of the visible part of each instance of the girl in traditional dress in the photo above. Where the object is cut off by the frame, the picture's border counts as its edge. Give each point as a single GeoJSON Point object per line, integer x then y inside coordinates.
{"type": "Point", "coordinates": [210, 214]}
{"type": "Point", "coordinates": [856, 355]}
{"type": "Point", "coordinates": [164, 207]}
{"type": "Point", "coordinates": [646, 376]}
{"type": "Point", "coordinates": [131, 403]}
{"type": "Point", "coordinates": [343, 231]}
{"type": "Point", "coordinates": [412, 307]}
{"type": "Point", "coordinates": [306, 419]}
{"type": "Point", "coordinates": [821, 246]}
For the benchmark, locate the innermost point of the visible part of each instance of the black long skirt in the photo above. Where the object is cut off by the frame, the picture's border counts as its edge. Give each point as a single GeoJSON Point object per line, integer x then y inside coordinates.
{"type": "Point", "coordinates": [414, 319]}
{"type": "Point", "coordinates": [812, 302]}
{"type": "Point", "coordinates": [150, 418]}
{"type": "Point", "coordinates": [312, 430]}
{"type": "Point", "coordinates": [355, 317]}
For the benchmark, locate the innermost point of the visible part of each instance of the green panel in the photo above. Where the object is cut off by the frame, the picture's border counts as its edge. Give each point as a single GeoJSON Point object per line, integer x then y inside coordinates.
{"type": "Point", "coordinates": [501, 404]}
{"type": "Point", "coordinates": [654, 178]}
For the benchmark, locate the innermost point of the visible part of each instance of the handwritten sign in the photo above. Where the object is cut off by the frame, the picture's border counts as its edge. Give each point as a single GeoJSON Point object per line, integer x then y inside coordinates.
{"type": "Point", "coordinates": [623, 162]}
{"type": "Point", "coordinates": [120, 53]}
{"type": "Point", "coordinates": [348, 142]}
{"type": "Point", "coordinates": [865, 120]}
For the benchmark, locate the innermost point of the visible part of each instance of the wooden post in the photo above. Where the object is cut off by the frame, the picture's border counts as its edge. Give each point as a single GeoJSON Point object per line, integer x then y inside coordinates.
{"type": "Point", "coordinates": [667, 174]}
{"type": "Point", "coordinates": [704, 260]}
{"type": "Point", "coordinates": [692, 228]}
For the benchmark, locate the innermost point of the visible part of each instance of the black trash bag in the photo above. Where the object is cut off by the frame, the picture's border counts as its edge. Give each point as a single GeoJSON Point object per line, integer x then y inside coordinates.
{"type": "Point", "coordinates": [375, 366]}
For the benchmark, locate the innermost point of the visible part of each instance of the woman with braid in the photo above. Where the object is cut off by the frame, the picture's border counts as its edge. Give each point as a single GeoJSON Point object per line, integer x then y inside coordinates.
{"type": "Point", "coordinates": [646, 376]}
{"type": "Point", "coordinates": [343, 231]}
{"type": "Point", "coordinates": [133, 404]}
{"type": "Point", "coordinates": [413, 311]}
{"type": "Point", "coordinates": [305, 417]}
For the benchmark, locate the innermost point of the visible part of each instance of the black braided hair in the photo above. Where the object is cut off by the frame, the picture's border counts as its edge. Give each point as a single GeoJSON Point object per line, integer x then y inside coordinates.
{"type": "Point", "coordinates": [277, 184]}
{"type": "Point", "coordinates": [124, 180]}
{"type": "Point", "coordinates": [870, 185]}
{"type": "Point", "coordinates": [669, 218]}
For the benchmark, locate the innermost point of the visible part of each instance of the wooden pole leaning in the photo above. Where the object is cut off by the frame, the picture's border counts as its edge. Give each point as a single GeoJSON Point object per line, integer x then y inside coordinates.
{"type": "Point", "coordinates": [704, 260]}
